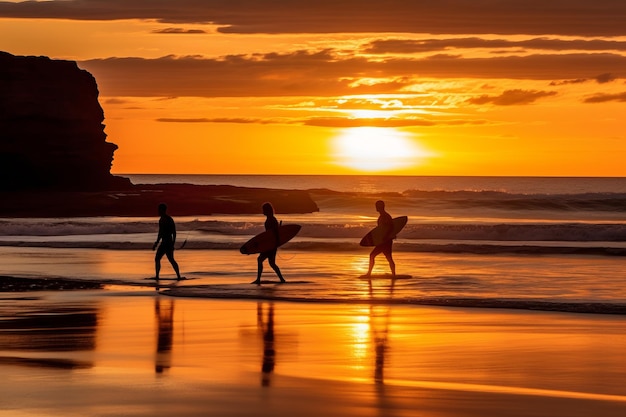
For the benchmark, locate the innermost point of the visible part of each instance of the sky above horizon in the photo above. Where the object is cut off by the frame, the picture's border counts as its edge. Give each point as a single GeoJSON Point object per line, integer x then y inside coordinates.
{"type": "Point", "coordinates": [482, 87]}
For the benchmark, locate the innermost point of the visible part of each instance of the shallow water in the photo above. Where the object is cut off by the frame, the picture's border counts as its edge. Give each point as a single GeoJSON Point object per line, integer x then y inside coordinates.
{"type": "Point", "coordinates": [562, 283]}
{"type": "Point", "coordinates": [112, 353]}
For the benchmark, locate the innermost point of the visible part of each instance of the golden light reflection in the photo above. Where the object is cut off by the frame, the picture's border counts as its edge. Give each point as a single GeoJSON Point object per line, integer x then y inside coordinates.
{"type": "Point", "coordinates": [375, 149]}
{"type": "Point", "coordinates": [358, 265]}
{"type": "Point", "coordinates": [379, 329]}
{"type": "Point", "coordinates": [360, 330]}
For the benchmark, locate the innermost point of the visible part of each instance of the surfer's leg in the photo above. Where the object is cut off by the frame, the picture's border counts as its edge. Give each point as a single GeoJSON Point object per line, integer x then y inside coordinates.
{"type": "Point", "coordinates": [373, 256]}
{"type": "Point", "coordinates": [157, 269]}
{"type": "Point", "coordinates": [388, 254]}
{"type": "Point", "coordinates": [259, 261]}
{"type": "Point", "coordinates": [272, 262]}
{"type": "Point", "coordinates": [170, 257]}
{"type": "Point", "coordinates": [371, 265]}
{"type": "Point", "coordinates": [157, 261]}
{"type": "Point", "coordinates": [277, 270]}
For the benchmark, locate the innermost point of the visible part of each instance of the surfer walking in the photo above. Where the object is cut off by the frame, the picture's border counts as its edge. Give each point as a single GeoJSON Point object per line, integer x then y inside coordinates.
{"type": "Point", "coordinates": [271, 224]}
{"type": "Point", "coordinates": [386, 222]}
{"type": "Point", "coordinates": [167, 237]}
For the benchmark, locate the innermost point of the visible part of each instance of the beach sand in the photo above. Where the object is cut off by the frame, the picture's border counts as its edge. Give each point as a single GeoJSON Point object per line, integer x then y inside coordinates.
{"type": "Point", "coordinates": [128, 351]}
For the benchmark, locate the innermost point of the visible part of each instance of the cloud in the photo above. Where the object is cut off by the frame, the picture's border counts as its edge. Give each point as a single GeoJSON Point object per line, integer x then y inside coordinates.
{"type": "Point", "coordinates": [512, 97]}
{"type": "Point", "coordinates": [384, 103]}
{"type": "Point", "coordinates": [343, 122]}
{"type": "Point", "coordinates": [565, 82]}
{"type": "Point", "coordinates": [116, 101]}
{"type": "Point", "coordinates": [365, 122]}
{"type": "Point", "coordinates": [411, 46]}
{"type": "Point", "coordinates": [600, 79]}
{"type": "Point", "coordinates": [179, 31]}
{"type": "Point", "coordinates": [317, 121]}
{"type": "Point", "coordinates": [324, 73]}
{"type": "Point", "coordinates": [183, 120]}
{"type": "Point", "coordinates": [605, 78]}
{"type": "Point", "coordinates": [532, 17]}
{"type": "Point", "coordinates": [536, 66]}
{"type": "Point", "coordinates": [339, 122]}
{"type": "Point", "coordinates": [213, 120]}
{"type": "Point", "coordinates": [293, 74]}
{"type": "Point", "coordinates": [603, 98]}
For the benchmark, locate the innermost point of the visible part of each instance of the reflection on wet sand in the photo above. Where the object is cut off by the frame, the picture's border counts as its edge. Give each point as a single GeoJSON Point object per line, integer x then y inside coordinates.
{"type": "Point", "coordinates": [164, 311]}
{"type": "Point", "coordinates": [45, 362]}
{"type": "Point", "coordinates": [312, 359]}
{"type": "Point", "coordinates": [269, 352]}
{"type": "Point", "coordinates": [379, 330]}
{"type": "Point", "coordinates": [47, 328]}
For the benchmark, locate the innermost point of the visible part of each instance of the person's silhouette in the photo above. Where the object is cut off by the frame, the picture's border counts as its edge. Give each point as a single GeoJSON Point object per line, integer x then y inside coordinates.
{"type": "Point", "coordinates": [271, 224]}
{"type": "Point", "coordinates": [386, 222]}
{"type": "Point", "coordinates": [167, 237]}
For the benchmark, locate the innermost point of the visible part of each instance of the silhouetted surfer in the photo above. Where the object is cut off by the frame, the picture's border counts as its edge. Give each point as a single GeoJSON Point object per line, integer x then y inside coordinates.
{"type": "Point", "coordinates": [167, 237]}
{"type": "Point", "coordinates": [270, 224]}
{"type": "Point", "coordinates": [386, 222]}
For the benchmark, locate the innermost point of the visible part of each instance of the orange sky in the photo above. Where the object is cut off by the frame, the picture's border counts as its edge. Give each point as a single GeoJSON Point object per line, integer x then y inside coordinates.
{"type": "Point", "coordinates": [515, 87]}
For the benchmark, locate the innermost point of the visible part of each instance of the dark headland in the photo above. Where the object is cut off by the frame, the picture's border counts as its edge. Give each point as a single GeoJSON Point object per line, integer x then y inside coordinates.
{"type": "Point", "coordinates": [55, 160]}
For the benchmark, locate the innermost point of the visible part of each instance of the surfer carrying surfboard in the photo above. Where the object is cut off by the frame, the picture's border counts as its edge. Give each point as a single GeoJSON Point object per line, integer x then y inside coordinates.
{"type": "Point", "coordinates": [167, 237]}
{"type": "Point", "coordinates": [271, 225]}
{"type": "Point", "coordinates": [385, 222]}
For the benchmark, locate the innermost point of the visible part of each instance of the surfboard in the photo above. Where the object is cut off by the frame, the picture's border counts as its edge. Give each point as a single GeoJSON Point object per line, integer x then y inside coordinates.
{"type": "Point", "coordinates": [267, 240]}
{"type": "Point", "coordinates": [375, 236]}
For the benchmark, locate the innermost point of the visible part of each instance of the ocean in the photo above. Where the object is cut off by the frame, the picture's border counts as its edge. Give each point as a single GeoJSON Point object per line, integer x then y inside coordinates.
{"type": "Point", "coordinates": [515, 242]}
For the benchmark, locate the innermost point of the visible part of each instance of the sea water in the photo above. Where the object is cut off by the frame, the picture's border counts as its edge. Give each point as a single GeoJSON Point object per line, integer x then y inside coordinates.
{"type": "Point", "coordinates": [483, 239]}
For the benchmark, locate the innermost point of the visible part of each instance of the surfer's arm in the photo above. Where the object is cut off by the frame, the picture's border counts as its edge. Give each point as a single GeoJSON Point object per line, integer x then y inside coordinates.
{"type": "Point", "coordinates": [158, 239]}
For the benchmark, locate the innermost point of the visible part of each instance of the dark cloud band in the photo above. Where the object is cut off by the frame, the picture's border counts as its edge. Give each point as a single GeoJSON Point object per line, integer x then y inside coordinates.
{"type": "Point", "coordinates": [324, 74]}
{"type": "Point", "coordinates": [531, 17]}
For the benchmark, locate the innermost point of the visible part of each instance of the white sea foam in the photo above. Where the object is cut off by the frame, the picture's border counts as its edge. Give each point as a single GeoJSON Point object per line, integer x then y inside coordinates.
{"type": "Point", "coordinates": [314, 235]}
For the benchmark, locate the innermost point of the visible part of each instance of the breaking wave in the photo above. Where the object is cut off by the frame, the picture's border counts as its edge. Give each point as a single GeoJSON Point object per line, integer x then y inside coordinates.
{"type": "Point", "coordinates": [439, 221]}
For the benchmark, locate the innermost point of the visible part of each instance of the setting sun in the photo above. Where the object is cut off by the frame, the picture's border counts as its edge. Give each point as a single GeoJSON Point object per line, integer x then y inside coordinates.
{"type": "Point", "coordinates": [206, 88]}
{"type": "Point", "coordinates": [376, 149]}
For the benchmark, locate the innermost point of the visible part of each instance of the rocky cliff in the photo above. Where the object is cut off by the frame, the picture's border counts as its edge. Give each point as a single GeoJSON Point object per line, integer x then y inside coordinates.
{"type": "Point", "coordinates": [51, 130]}
{"type": "Point", "coordinates": [55, 161]}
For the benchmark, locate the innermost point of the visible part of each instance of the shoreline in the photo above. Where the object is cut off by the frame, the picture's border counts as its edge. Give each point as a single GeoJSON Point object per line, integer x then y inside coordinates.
{"type": "Point", "coordinates": [599, 308]}
{"type": "Point", "coordinates": [18, 284]}
{"type": "Point", "coordinates": [169, 288]}
{"type": "Point", "coordinates": [347, 247]}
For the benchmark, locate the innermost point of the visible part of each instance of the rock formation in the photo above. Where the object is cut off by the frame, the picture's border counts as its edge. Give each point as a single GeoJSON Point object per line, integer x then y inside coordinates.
{"type": "Point", "coordinates": [51, 131]}
{"type": "Point", "coordinates": [55, 161]}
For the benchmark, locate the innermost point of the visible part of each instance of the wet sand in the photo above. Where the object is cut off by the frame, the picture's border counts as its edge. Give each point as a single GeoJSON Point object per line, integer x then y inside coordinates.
{"type": "Point", "coordinates": [128, 351]}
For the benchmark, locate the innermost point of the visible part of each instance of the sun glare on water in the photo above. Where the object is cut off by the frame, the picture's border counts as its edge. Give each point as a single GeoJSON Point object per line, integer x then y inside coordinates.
{"type": "Point", "coordinates": [375, 149]}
